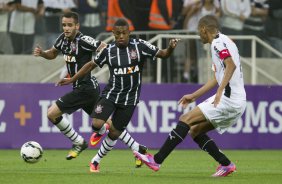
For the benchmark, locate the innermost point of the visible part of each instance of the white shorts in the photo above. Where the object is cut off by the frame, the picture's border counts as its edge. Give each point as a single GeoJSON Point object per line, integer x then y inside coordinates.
{"type": "Point", "coordinates": [225, 114]}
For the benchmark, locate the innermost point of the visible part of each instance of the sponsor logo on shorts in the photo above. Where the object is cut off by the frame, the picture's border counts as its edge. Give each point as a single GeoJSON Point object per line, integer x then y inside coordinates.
{"type": "Point", "coordinates": [99, 109]}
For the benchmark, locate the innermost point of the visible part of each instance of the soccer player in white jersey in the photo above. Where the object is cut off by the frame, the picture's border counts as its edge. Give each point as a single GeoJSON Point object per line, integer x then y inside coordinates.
{"type": "Point", "coordinates": [218, 112]}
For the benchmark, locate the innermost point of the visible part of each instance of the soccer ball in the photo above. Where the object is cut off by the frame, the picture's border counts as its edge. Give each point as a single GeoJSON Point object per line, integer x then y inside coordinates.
{"type": "Point", "coordinates": [31, 152]}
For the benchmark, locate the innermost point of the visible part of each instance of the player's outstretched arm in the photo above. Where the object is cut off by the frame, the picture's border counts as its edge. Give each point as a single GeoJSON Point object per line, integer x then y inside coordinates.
{"type": "Point", "coordinates": [165, 53]}
{"type": "Point", "coordinates": [186, 99]}
{"type": "Point", "coordinates": [47, 54]}
{"type": "Point", "coordinates": [81, 73]}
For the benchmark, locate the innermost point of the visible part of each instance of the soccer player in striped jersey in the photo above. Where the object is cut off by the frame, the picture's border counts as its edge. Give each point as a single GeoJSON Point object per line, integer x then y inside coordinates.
{"type": "Point", "coordinates": [219, 112]}
{"type": "Point", "coordinates": [77, 50]}
{"type": "Point", "coordinates": [125, 58]}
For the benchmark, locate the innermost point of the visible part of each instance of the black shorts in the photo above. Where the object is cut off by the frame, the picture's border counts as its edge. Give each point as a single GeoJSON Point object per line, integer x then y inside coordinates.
{"type": "Point", "coordinates": [79, 99]}
{"type": "Point", "coordinates": [121, 114]}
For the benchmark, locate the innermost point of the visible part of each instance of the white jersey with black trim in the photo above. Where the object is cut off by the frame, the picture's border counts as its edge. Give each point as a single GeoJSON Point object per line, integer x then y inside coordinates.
{"type": "Point", "coordinates": [223, 47]}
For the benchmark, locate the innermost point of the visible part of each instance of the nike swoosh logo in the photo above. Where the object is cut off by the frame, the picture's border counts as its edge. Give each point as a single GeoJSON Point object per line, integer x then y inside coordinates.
{"type": "Point", "coordinates": [112, 57]}
{"type": "Point", "coordinates": [93, 143]}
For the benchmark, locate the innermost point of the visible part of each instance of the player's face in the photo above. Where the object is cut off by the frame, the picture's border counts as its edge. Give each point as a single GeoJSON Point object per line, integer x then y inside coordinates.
{"type": "Point", "coordinates": [203, 34]}
{"type": "Point", "coordinates": [121, 34]}
{"type": "Point", "coordinates": [70, 27]}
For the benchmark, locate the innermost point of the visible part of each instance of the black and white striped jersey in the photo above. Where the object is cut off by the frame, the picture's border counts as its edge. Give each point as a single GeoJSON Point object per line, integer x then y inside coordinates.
{"type": "Point", "coordinates": [125, 65]}
{"type": "Point", "coordinates": [76, 54]}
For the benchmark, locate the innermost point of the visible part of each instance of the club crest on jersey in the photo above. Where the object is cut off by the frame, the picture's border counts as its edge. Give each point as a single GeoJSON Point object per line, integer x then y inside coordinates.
{"type": "Point", "coordinates": [133, 54]}
{"type": "Point", "coordinates": [70, 59]}
{"type": "Point", "coordinates": [99, 109]}
{"type": "Point", "coordinates": [126, 70]}
{"type": "Point", "coordinates": [73, 47]}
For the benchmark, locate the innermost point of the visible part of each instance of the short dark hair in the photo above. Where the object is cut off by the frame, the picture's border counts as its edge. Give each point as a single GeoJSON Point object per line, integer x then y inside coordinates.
{"type": "Point", "coordinates": [210, 22]}
{"type": "Point", "coordinates": [73, 15]}
{"type": "Point", "coordinates": [121, 22]}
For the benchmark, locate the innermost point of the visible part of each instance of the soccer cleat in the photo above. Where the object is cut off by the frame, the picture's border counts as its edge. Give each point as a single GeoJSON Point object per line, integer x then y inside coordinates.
{"type": "Point", "coordinates": [94, 167]}
{"type": "Point", "coordinates": [76, 150]}
{"type": "Point", "coordinates": [143, 150]}
{"type": "Point", "coordinates": [96, 137]}
{"type": "Point", "coordinates": [223, 171]}
{"type": "Point", "coordinates": [148, 159]}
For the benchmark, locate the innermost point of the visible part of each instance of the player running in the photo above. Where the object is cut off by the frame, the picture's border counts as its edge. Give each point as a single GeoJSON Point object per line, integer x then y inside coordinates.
{"type": "Point", "coordinates": [77, 50]}
{"type": "Point", "coordinates": [125, 58]}
{"type": "Point", "coordinates": [218, 112]}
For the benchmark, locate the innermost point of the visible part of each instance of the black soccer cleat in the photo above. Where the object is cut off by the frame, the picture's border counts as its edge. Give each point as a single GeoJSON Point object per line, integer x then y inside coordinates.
{"type": "Point", "coordinates": [76, 150]}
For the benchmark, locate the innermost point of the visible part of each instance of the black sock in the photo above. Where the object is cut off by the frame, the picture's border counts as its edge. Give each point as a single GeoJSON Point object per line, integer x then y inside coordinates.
{"type": "Point", "coordinates": [176, 136]}
{"type": "Point", "coordinates": [208, 145]}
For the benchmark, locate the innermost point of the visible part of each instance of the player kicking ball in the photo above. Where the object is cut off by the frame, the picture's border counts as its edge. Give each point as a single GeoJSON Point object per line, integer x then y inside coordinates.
{"type": "Point", "coordinates": [219, 112]}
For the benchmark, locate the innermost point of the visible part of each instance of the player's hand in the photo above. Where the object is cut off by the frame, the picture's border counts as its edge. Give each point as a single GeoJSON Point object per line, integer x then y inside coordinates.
{"type": "Point", "coordinates": [185, 100]}
{"type": "Point", "coordinates": [37, 51]}
{"type": "Point", "coordinates": [173, 42]}
{"type": "Point", "coordinates": [64, 81]}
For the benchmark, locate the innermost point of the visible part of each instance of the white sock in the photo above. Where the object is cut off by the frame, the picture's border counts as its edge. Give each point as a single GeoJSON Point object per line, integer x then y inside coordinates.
{"type": "Point", "coordinates": [66, 128]}
{"type": "Point", "coordinates": [129, 141]}
{"type": "Point", "coordinates": [106, 146]}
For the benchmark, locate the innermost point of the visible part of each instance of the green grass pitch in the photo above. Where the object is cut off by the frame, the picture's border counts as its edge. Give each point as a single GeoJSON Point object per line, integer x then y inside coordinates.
{"type": "Point", "coordinates": [118, 167]}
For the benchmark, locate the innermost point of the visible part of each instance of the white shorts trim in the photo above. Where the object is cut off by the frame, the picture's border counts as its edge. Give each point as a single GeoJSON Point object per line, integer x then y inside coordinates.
{"type": "Point", "coordinates": [225, 114]}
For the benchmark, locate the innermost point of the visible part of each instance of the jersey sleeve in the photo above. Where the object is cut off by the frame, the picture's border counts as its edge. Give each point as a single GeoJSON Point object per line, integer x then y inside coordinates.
{"type": "Point", "coordinates": [147, 49]}
{"type": "Point", "coordinates": [59, 42]}
{"type": "Point", "coordinates": [101, 57]}
{"type": "Point", "coordinates": [88, 43]}
{"type": "Point", "coordinates": [221, 49]}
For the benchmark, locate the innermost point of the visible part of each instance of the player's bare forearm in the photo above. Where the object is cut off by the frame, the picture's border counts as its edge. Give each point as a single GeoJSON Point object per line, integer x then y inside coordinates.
{"type": "Point", "coordinates": [101, 47]}
{"type": "Point", "coordinates": [188, 98]}
{"type": "Point", "coordinates": [47, 54]}
{"type": "Point", "coordinates": [229, 70]}
{"type": "Point", "coordinates": [84, 70]}
{"type": "Point", "coordinates": [165, 53]}
{"type": "Point", "coordinates": [205, 88]}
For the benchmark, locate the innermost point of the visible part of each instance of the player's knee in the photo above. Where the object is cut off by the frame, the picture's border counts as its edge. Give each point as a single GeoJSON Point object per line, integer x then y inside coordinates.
{"type": "Point", "coordinates": [54, 113]}
{"type": "Point", "coordinates": [194, 131]}
{"type": "Point", "coordinates": [114, 134]}
{"type": "Point", "coordinates": [51, 116]}
{"type": "Point", "coordinates": [186, 118]}
{"type": "Point", "coordinates": [97, 124]}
